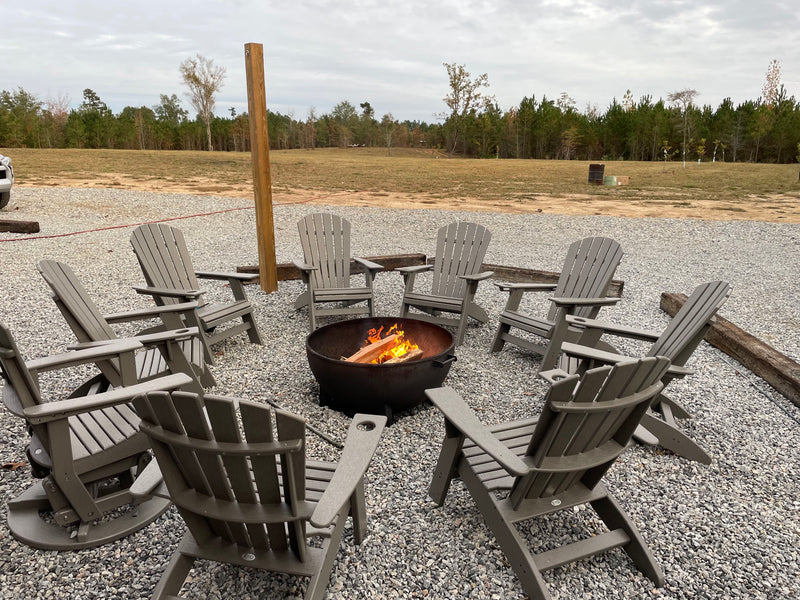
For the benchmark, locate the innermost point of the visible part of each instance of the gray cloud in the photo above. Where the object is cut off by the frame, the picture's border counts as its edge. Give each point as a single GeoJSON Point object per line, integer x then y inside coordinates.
{"type": "Point", "coordinates": [320, 52]}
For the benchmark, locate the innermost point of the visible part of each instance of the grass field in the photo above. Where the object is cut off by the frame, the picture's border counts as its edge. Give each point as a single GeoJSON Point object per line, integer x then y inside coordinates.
{"type": "Point", "coordinates": [370, 176]}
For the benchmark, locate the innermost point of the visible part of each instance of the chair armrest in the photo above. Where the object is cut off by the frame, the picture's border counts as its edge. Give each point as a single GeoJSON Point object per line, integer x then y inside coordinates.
{"type": "Point", "coordinates": [414, 269]}
{"type": "Point", "coordinates": [553, 375]}
{"type": "Point", "coordinates": [172, 335]}
{"type": "Point", "coordinates": [461, 416]}
{"type": "Point", "coordinates": [85, 355]}
{"type": "Point", "coordinates": [169, 292]}
{"type": "Point", "coordinates": [584, 301]}
{"type": "Point", "coordinates": [225, 276]}
{"type": "Point", "coordinates": [477, 276]}
{"type": "Point", "coordinates": [610, 358]}
{"type": "Point", "coordinates": [149, 483]}
{"type": "Point", "coordinates": [304, 267]}
{"type": "Point", "coordinates": [360, 445]}
{"type": "Point", "coordinates": [368, 264]}
{"type": "Point", "coordinates": [613, 329]}
{"type": "Point", "coordinates": [679, 371]}
{"type": "Point", "coordinates": [525, 287]}
{"type": "Point", "coordinates": [149, 313]}
{"type": "Point", "coordinates": [94, 344]}
{"type": "Point", "coordinates": [593, 354]}
{"type": "Point", "coordinates": [61, 409]}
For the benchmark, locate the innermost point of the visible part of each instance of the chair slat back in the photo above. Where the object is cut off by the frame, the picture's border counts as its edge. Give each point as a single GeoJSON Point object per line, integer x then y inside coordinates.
{"type": "Point", "coordinates": [460, 250]}
{"type": "Point", "coordinates": [216, 451]}
{"type": "Point", "coordinates": [164, 258]}
{"type": "Point", "coordinates": [20, 389]}
{"type": "Point", "coordinates": [586, 424]}
{"type": "Point", "coordinates": [72, 299]}
{"type": "Point", "coordinates": [689, 325]}
{"type": "Point", "coordinates": [588, 269]}
{"type": "Point", "coordinates": [325, 239]}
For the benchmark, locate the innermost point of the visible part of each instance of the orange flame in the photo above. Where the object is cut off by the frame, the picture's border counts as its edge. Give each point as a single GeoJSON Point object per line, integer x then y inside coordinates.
{"type": "Point", "coordinates": [400, 347]}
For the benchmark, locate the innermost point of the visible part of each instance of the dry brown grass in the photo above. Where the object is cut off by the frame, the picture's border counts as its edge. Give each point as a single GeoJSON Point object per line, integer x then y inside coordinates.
{"type": "Point", "coordinates": [420, 178]}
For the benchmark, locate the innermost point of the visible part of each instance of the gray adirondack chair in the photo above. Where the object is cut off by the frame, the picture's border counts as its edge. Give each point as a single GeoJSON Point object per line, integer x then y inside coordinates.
{"type": "Point", "coordinates": [174, 351]}
{"type": "Point", "coordinates": [171, 279]}
{"type": "Point", "coordinates": [460, 250]}
{"type": "Point", "coordinates": [677, 342]}
{"type": "Point", "coordinates": [86, 448]}
{"type": "Point", "coordinates": [581, 290]}
{"type": "Point", "coordinates": [325, 239]}
{"type": "Point", "coordinates": [552, 463]}
{"type": "Point", "coordinates": [250, 497]}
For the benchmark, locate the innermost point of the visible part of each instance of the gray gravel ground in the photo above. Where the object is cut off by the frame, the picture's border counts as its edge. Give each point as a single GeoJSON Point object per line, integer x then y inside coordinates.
{"type": "Point", "coordinates": [728, 530]}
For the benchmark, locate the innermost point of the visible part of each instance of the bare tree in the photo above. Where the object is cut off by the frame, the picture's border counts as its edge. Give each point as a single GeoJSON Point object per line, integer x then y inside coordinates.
{"type": "Point", "coordinates": [204, 80]}
{"type": "Point", "coordinates": [464, 96]}
{"type": "Point", "coordinates": [310, 129]}
{"type": "Point", "coordinates": [388, 127]}
{"type": "Point", "coordinates": [683, 99]}
{"type": "Point", "coordinates": [772, 84]}
{"type": "Point", "coordinates": [56, 119]}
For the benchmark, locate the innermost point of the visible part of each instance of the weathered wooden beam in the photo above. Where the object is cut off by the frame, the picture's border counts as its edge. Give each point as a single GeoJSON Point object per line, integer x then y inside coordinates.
{"type": "Point", "coordinates": [10, 226]}
{"type": "Point", "coordinates": [775, 368]}
{"type": "Point", "coordinates": [390, 262]}
{"type": "Point", "coordinates": [521, 275]}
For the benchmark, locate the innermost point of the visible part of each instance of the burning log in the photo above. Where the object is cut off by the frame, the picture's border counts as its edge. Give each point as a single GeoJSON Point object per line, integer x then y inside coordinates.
{"type": "Point", "coordinates": [410, 355]}
{"type": "Point", "coordinates": [372, 351]}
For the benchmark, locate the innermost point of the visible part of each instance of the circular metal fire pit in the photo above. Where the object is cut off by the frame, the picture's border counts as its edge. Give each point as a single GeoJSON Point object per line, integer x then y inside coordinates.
{"type": "Point", "coordinates": [371, 388]}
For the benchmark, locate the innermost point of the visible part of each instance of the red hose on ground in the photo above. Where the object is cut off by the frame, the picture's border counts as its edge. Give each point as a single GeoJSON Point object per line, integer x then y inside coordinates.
{"type": "Point", "coordinates": [214, 212]}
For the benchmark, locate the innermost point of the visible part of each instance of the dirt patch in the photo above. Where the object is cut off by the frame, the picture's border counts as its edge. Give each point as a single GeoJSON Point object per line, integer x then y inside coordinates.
{"type": "Point", "coordinates": [779, 208]}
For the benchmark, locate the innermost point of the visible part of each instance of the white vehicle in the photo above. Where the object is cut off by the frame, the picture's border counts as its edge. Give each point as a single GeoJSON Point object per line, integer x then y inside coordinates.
{"type": "Point", "coordinates": [6, 180]}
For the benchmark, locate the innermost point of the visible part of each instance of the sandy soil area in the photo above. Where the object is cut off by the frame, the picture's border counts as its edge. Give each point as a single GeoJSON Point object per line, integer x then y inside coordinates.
{"type": "Point", "coordinates": [777, 208]}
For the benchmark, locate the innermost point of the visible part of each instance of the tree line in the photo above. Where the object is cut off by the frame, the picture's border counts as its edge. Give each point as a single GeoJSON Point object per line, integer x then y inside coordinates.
{"type": "Point", "coordinates": [763, 130]}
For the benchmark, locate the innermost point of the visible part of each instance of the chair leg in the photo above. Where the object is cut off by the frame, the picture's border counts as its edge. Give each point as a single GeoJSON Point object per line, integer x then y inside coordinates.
{"type": "Point", "coordinates": [252, 330]}
{"type": "Point", "coordinates": [514, 547]}
{"type": "Point", "coordinates": [446, 466]}
{"type": "Point", "coordinates": [301, 300]}
{"type": "Point", "coordinates": [206, 378]}
{"type": "Point", "coordinates": [615, 517]}
{"type": "Point", "coordinates": [318, 583]}
{"type": "Point", "coordinates": [499, 341]}
{"type": "Point", "coordinates": [673, 439]}
{"type": "Point", "coordinates": [462, 328]}
{"type": "Point", "coordinates": [174, 576]}
{"type": "Point", "coordinates": [207, 353]}
{"type": "Point", "coordinates": [312, 316]}
{"type": "Point", "coordinates": [358, 511]}
{"type": "Point", "coordinates": [558, 334]}
{"type": "Point", "coordinates": [677, 410]}
{"type": "Point", "coordinates": [404, 310]}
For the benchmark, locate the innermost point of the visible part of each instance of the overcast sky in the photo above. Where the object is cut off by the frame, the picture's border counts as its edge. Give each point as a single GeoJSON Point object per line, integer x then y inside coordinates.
{"type": "Point", "coordinates": [320, 52]}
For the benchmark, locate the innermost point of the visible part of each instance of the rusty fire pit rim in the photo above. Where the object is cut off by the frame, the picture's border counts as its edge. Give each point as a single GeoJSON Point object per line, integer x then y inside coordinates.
{"type": "Point", "coordinates": [437, 359]}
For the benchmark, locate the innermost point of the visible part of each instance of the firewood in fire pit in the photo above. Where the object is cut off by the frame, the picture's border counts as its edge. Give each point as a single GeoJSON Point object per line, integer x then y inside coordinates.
{"type": "Point", "coordinates": [410, 355]}
{"type": "Point", "coordinates": [372, 351]}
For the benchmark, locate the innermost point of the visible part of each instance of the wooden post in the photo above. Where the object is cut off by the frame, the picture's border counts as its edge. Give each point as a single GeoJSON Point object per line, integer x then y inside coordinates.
{"type": "Point", "coordinates": [262, 178]}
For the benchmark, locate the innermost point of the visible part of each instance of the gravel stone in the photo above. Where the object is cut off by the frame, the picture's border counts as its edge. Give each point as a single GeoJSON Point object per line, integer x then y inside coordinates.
{"type": "Point", "coordinates": [730, 530]}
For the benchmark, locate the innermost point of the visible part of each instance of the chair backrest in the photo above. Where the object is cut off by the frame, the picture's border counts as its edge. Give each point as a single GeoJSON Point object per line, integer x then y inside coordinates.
{"type": "Point", "coordinates": [72, 299]}
{"type": "Point", "coordinates": [20, 390]}
{"type": "Point", "coordinates": [165, 261]}
{"type": "Point", "coordinates": [689, 325]}
{"type": "Point", "coordinates": [325, 239]}
{"type": "Point", "coordinates": [588, 268]}
{"type": "Point", "coordinates": [236, 485]}
{"type": "Point", "coordinates": [586, 423]}
{"type": "Point", "coordinates": [460, 249]}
